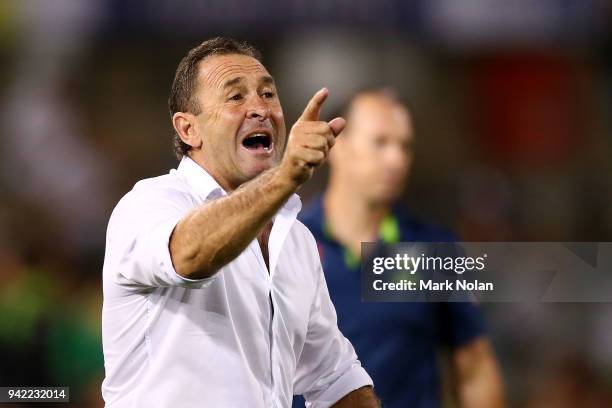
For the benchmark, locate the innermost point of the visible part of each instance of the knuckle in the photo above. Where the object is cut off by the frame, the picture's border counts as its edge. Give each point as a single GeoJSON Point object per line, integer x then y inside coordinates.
{"type": "Point", "coordinates": [322, 127]}
{"type": "Point", "coordinates": [315, 139]}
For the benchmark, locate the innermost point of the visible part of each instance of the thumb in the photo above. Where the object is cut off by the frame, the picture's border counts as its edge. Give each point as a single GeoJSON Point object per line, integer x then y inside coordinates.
{"type": "Point", "coordinates": [337, 125]}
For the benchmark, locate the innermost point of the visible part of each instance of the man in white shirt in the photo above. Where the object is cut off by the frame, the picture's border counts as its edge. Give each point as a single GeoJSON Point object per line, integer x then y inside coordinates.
{"type": "Point", "coordinates": [214, 294]}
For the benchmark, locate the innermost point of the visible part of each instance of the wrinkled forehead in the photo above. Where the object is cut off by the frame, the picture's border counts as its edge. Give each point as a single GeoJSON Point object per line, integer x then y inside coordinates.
{"type": "Point", "coordinates": [216, 71]}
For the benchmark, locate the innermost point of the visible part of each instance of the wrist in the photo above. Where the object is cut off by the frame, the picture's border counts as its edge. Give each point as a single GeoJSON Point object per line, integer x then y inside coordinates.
{"type": "Point", "coordinates": [286, 178]}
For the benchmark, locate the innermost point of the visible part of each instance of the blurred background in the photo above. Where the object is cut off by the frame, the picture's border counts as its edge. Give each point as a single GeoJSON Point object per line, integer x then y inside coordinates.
{"type": "Point", "coordinates": [511, 99]}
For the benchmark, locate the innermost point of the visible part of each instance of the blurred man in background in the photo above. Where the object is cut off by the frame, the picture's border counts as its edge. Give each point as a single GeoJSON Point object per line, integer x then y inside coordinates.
{"type": "Point", "coordinates": [398, 343]}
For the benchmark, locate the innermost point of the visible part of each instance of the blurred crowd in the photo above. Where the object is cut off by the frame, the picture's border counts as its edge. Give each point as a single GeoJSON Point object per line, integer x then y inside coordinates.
{"type": "Point", "coordinates": [511, 101]}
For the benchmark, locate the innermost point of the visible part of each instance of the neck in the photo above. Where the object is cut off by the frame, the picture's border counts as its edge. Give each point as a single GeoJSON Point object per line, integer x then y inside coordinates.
{"type": "Point", "coordinates": [225, 184]}
{"type": "Point", "coordinates": [350, 218]}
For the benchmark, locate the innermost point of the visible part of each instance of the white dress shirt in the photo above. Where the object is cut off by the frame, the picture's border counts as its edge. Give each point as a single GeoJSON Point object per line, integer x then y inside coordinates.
{"type": "Point", "coordinates": [242, 338]}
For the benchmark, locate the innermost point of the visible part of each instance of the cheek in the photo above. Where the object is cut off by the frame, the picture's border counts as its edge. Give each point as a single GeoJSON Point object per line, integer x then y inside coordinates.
{"type": "Point", "coordinates": [281, 132]}
{"type": "Point", "coordinates": [277, 112]}
{"type": "Point", "coordinates": [367, 157]}
{"type": "Point", "coordinates": [230, 119]}
{"type": "Point", "coordinates": [279, 119]}
{"type": "Point", "coordinates": [362, 167]}
{"type": "Point", "coordinates": [220, 127]}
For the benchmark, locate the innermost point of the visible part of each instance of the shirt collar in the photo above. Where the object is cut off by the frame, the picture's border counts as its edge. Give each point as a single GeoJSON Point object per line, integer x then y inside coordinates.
{"type": "Point", "coordinates": [199, 179]}
{"type": "Point", "coordinates": [207, 187]}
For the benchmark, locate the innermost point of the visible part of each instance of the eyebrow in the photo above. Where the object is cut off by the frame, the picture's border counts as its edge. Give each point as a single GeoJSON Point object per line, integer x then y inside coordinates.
{"type": "Point", "coordinates": [267, 79]}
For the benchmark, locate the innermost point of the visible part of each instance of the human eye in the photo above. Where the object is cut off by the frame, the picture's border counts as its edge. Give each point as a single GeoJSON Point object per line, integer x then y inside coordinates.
{"type": "Point", "coordinates": [268, 94]}
{"type": "Point", "coordinates": [379, 142]}
{"type": "Point", "coordinates": [236, 97]}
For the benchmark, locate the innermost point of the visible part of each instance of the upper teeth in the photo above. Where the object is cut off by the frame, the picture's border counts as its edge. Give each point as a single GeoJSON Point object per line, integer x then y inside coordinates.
{"type": "Point", "coordinates": [257, 134]}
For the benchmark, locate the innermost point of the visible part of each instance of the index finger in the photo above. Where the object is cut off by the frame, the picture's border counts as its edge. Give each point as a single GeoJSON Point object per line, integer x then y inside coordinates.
{"type": "Point", "coordinates": [313, 109]}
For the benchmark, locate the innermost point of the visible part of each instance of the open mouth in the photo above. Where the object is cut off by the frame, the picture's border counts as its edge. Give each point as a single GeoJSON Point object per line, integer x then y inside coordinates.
{"type": "Point", "coordinates": [258, 141]}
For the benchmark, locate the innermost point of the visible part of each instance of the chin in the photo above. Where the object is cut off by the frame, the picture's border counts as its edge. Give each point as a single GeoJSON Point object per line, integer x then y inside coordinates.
{"type": "Point", "coordinates": [386, 198]}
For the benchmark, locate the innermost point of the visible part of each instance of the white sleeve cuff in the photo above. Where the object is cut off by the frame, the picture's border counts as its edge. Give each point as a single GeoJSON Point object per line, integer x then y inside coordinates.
{"type": "Point", "coordinates": [161, 236]}
{"type": "Point", "coordinates": [353, 379]}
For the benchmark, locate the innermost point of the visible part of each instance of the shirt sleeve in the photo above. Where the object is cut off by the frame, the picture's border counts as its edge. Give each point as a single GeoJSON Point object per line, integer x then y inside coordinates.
{"type": "Point", "coordinates": [138, 237]}
{"type": "Point", "coordinates": [328, 367]}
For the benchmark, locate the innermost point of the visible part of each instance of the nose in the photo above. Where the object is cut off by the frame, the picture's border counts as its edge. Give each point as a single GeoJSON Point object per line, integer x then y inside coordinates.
{"type": "Point", "coordinates": [258, 109]}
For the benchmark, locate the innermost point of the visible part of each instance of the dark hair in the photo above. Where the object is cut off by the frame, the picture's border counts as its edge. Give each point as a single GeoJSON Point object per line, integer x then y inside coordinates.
{"type": "Point", "coordinates": [185, 79]}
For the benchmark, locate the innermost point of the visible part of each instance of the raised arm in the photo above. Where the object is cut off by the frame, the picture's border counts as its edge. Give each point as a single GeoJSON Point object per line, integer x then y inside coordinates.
{"type": "Point", "coordinates": [217, 232]}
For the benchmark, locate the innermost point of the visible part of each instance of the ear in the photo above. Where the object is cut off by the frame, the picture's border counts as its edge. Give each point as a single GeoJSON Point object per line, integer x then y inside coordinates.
{"type": "Point", "coordinates": [184, 124]}
{"type": "Point", "coordinates": [337, 151]}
